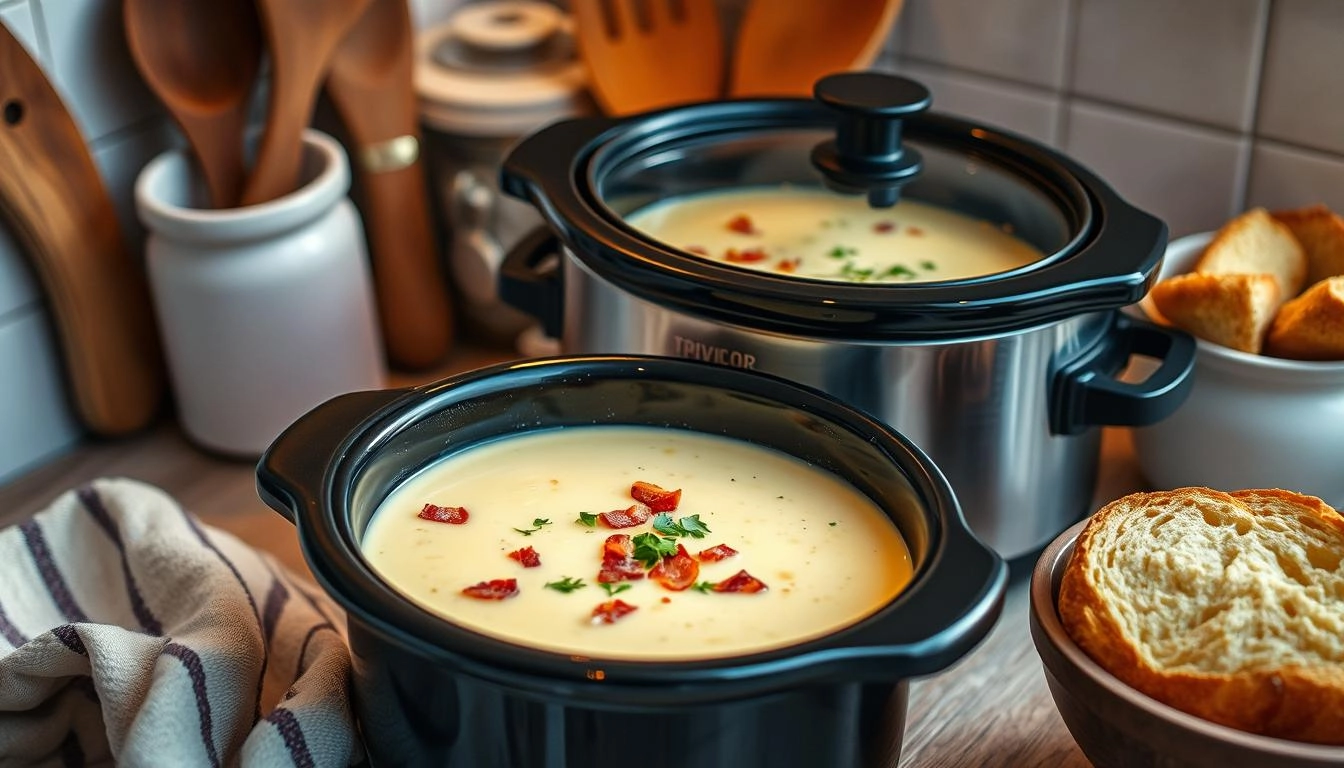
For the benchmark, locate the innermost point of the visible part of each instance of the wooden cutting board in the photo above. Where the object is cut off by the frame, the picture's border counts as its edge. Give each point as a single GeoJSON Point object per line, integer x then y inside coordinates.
{"type": "Point", "coordinates": [54, 202]}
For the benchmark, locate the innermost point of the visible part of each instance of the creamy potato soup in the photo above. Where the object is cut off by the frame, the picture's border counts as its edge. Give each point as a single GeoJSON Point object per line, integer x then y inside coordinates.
{"type": "Point", "coordinates": [817, 234]}
{"type": "Point", "coordinates": [758, 550]}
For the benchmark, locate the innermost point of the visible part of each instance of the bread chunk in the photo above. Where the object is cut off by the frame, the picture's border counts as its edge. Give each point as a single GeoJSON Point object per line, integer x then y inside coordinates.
{"type": "Point", "coordinates": [1321, 233]}
{"type": "Point", "coordinates": [1311, 326]}
{"type": "Point", "coordinates": [1234, 310]}
{"type": "Point", "coordinates": [1256, 242]}
{"type": "Point", "coordinates": [1228, 606]}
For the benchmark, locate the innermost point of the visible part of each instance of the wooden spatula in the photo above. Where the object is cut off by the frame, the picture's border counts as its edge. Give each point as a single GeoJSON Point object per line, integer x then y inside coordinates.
{"type": "Point", "coordinates": [782, 49]}
{"type": "Point", "coordinates": [54, 202]}
{"type": "Point", "coordinates": [301, 36]}
{"type": "Point", "coordinates": [371, 85]}
{"type": "Point", "coordinates": [658, 54]}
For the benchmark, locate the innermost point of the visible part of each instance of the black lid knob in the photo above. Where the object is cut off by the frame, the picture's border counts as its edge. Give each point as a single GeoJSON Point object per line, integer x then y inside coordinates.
{"type": "Point", "coordinates": [866, 155]}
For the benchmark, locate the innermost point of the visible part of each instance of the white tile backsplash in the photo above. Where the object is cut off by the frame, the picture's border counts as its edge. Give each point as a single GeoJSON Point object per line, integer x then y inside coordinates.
{"type": "Point", "coordinates": [1302, 92]}
{"type": "Point", "coordinates": [35, 419]}
{"type": "Point", "coordinates": [1289, 177]}
{"type": "Point", "coordinates": [1194, 59]}
{"type": "Point", "coordinates": [1029, 111]}
{"type": "Point", "coordinates": [1023, 40]}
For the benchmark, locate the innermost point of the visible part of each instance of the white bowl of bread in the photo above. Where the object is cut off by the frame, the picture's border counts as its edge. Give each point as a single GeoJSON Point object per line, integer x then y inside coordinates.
{"type": "Point", "coordinates": [1194, 627]}
{"type": "Point", "coordinates": [1264, 297]}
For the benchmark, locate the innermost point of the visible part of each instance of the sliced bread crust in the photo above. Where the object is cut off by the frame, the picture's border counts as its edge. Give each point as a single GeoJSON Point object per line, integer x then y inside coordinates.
{"type": "Point", "coordinates": [1311, 326]}
{"type": "Point", "coordinates": [1321, 233]}
{"type": "Point", "coordinates": [1228, 606]}
{"type": "Point", "coordinates": [1234, 310]}
{"type": "Point", "coordinates": [1256, 242]}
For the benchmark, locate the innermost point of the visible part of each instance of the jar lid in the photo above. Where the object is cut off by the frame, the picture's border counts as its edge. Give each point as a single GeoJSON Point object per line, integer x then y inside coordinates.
{"type": "Point", "coordinates": [500, 68]}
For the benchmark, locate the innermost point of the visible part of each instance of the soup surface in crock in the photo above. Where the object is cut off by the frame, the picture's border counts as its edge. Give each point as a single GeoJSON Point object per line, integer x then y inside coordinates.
{"type": "Point", "coordinates": [826, 555]}
{"type": "Point", "coordinates": [821, 235]}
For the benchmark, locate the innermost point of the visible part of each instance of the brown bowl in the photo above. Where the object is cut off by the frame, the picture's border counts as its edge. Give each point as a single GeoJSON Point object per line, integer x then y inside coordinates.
{"type": "Point", "coordinates": [1118, 727]}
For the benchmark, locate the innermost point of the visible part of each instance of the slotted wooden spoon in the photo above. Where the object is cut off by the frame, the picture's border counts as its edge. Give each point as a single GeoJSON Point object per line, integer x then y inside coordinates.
{"type": "Point", "coordinates": [637, 61]}
{"type": "Point", "coordinates": [301, 36]}
{"type": "Point", "coordinates": [782, 49]}
{"type": "Point", "coordinates": [371, 85]}
{"type": "Point", "coordinates": [201, 57]}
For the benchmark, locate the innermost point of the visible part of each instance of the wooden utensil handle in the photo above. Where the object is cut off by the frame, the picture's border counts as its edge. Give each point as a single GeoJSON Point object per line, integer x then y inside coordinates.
{"type": "Point", "coordinates": [54, 201]}
{"type": "Point", "coordinates": [412, 296]}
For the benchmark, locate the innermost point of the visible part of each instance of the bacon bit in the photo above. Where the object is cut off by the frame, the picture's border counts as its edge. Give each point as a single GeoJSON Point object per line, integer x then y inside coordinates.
{"type": "Point", "coordinates": [451, 515]}
{"type": "Point", "coordinates": [676, 572]}
{"type": "Point", "coordinates": [698, 250]}
{"type": "Point", "coordinates": [658, 499]}
{"type": "Point", "coordinates": [635, 514]}
{"type": "Point", "coordinates": [741, 224]}
{"type": "Point", "coordinates": [749, 256]}
{"type": "Point", "coordinates": [665, 599]}
{"type": "Point", "coordinates": [610, 611]}
{"type": "Point", "coordinates": [527, 556]}
{"type": "Point", "coordinates": [914, 231]}
{"type": "Point", "coordinates": [495, 589]}
{"type": "Point", "coordinates": [716, 553]}
{"type": "Point", "coordinates": [883, 227]}
{"type": "Point", "coordinates": [617, 561]}
{"type": "Point", "coordinates": [788, 265]}
{"type": "Point", "coordinates": [741, 582]}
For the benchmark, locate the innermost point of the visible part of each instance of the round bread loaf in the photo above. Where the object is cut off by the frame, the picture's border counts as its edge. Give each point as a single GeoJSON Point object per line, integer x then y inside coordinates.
{"type": "Point", "coordinates": [1228, 606]}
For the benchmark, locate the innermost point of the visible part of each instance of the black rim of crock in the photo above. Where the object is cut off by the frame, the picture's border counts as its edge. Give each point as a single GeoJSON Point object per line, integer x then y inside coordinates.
{"type": "Point", "coordinates": [1110, 261]}
{"type": "Point", "coordinates": [332, 550]}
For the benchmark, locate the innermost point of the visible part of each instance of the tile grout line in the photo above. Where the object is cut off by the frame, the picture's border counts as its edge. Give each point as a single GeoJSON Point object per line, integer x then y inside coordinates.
{"type": "Point", "coordinates": [1241, 184]}
{"type": "Point", "coordinates": [1065, 94]}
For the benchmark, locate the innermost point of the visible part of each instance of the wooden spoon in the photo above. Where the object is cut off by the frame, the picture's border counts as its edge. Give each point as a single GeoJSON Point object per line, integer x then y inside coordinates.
{"type": "Point", "coordinates": [670, 54]}
{"type": "Point", "coordinates": [201, 57]}
{"type": "Point", "coordinates": [301, 36]}
{"type": "Point", "coordinates": [784, 48]}
{"type": "Point", "coordinates": [371, 85]}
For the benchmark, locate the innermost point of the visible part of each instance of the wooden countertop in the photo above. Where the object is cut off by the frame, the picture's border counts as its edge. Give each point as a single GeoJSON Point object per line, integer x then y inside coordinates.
{"type": "Point", "coordinates": [990, 710]}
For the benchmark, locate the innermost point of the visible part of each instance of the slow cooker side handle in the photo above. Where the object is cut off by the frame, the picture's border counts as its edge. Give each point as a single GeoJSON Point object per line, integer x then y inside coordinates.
{"type": "Point", "coordinates": [1085, 393]}
{"type": "Point", "coordinates": [291, 472]}
{"type": "Point", "coordinates": [530, 280]}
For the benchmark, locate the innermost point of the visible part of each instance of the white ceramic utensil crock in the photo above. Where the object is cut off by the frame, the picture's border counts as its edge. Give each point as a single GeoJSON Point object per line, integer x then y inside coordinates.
{"type": "Point", "coordinates": [265, 310]}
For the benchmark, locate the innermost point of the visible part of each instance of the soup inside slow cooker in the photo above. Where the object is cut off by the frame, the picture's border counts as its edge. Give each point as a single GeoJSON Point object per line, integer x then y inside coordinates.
{"type": "Point", "coordinates": [759, 550]}
{"type": "Point", "coordinates": [814, 233]}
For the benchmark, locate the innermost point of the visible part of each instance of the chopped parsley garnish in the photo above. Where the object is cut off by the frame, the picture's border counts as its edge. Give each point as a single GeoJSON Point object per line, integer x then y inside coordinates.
{"type": "Point", "coordinates": [840, 252]}
{"type": "Point", "coordinates": [858, 274]}
{"type": "Point", "coordinates": [613, 589]}
{"type": "Point", "coordinates": [832, 524]}
{"type": "Point", "coordinates": [927, 266]}
{"type": "Point", "coordinates": [703, 586]}
{"type": "Point", "coordinates": [566, 584]}
{"type": "Point", "coordinates": [650, 549]}
{"type": "Point", "coordinates": [537, 525]}
{"type": "Point", "coordinates": [686, 526]}
{"type": "Point", "coordinates": [588, 519]}
{"type": "Point", "coordinates": [900, 270]}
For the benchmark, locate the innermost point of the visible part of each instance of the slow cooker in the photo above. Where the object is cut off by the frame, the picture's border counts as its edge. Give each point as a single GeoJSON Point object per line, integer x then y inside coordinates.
{"type": "Point", "coordinates": [428, 691]}
{"type": "Point", "coordinates": [1003, 379]}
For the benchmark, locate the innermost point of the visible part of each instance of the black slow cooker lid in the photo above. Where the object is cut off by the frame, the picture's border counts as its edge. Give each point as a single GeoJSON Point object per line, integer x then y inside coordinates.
{"type": "Point", "coordinates": [589, 177]}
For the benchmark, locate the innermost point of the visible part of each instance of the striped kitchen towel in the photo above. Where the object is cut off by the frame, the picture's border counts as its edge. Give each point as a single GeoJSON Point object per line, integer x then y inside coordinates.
{"type": "Point", "coordinates": [133, 634]}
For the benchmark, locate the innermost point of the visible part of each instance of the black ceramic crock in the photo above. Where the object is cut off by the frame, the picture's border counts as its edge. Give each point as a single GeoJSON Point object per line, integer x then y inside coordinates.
{"type": "Point", "coordinates": [428, 692]}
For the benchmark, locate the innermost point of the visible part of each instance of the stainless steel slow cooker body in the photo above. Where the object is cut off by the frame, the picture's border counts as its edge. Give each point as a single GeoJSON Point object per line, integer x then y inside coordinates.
{"type": "Point", "coordinates": [1001, 379]}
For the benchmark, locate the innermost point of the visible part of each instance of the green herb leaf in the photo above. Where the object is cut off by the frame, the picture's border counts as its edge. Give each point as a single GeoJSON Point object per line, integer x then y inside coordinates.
{"type": "Point", "coordinates": [704, 586]}
{"type": "Point", "coordinates": [537, 523]}
{"type": "Point", "coordinates": [613, 589]}
{"type": "Point", "coordinates": [900, 270]}
{"type": "Point", "coordinates": [587, 518]}
{"type": "Point", "coordinates": [686, 526]}
{"type": "Point", "coordinates": [650, 549]}
{"type": "Point", "coordinates": [857, 274]}
{"type": "Point", "coordinates": [927, 266]}
{"type": "Point", "coordinates": [832, 524]}
{"type": "Point", "coordinates": [840, 252]}
{"type": "Point", "coordinates": [565, 584]}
